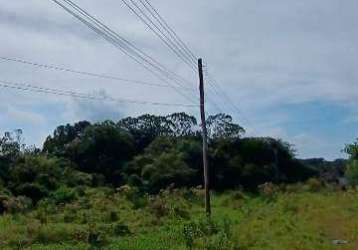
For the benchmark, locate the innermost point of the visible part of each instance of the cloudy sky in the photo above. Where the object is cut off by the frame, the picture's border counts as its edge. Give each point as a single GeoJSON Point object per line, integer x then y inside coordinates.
{"type": "Point", "coordinates": [289, 66]}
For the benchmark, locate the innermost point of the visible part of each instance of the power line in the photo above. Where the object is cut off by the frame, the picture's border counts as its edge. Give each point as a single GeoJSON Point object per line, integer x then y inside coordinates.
{"type": "Point", "coordinates": [128, 48]}
{"type": "Point", "coordinates": [148, 62]}
{"type": "Point", "coordinates": [52, 67]}
{"type": "Point", "coordinates": [223, 94]}
{"type": "Point", "coordinates": [155, 13]}
{"type": "Point", "coordinates": [59, 92]}
{"type": "Point", "coordinates": [167, 36]}
{"type": "Point", "coordinates": [157, 31]}
{"type": "Point", "coordinates": [124, 45]}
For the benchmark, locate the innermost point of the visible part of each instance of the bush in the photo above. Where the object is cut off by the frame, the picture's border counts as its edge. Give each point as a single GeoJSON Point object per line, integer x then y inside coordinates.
{"type": "Point", "coordinates": [96, 238]}
{"type": "Point", "coordinates": [133, 195]}
{"type": "Point", "coordinates": [45, 172]}
{"type": "Point", "coordinates": [75, 178]}
{"type": "Point", "coordinates": [69, 216]}
{"type": "Point", "coordinates": [15, 205]}
{"type": "Point", "coordinates": [268, 190]}
{"type": "Point", "coordinates": [167, 169]}
{"type": "Point", "coordinates": [64, 195]}
{"type": "Point", "coordinates": [3, 199]}
{"type": "Point", "coordinates": [208, 234]}
{"type": "Point", "coordinates": [47, 235]}
{"type": "Point", "coordinates": [33, 191]}
{"type": "Point", "coordinates": [120, 229]}
{"type": "Point", "coordinates": [219, 241]}
{"type": "Point", "coordinates": [169, 203]}
{"type": "Point", "coordinates": [314, 185]}
{"type": "Point", "coordinates": [113, 216]}
{"type": "Point", "coordinates": [158, 207]}
{"type": "Point", "coordinates": [352, 172]}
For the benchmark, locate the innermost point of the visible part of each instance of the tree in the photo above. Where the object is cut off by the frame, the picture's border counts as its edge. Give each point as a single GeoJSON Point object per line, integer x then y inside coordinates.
{"type": "Point", "coordinates": [62, 136]}
{"type": "Point", "coordinates": [182, 124]}
{"type": "Point", "coordinates": [162, 164]}
{"type": "Point", "coordinates": [103, 148]}
{"type": "Point", "coordinates": [352, 168]}
{"type": "Point", "coordinates": [166, 169]}
{"type": "Point", "coordinates": [249, 162]}
{"type": "Point", "coordinates": [222, 126]}
{"type": "Point", "coordinates": [11, 145]}
{"type": "Point", "coordinates": [36, 176]}
{"type": "Point", "coordinates": [145, 128]}
{"type": "Point", "coordinates": [352, 172]}
{"type": "Point", "coordinates": [352, 150]}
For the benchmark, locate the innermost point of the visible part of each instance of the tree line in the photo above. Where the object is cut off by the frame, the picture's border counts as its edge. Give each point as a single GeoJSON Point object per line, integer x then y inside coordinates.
{"type": "Point", "coordinates": [150, 152]}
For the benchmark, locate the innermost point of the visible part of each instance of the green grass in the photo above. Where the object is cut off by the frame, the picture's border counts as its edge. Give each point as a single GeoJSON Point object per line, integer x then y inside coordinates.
{"type": "Point", "coordinates": [100, 219]}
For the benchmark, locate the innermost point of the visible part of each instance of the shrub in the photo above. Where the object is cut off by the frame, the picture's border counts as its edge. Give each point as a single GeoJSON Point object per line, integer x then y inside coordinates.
{"type": "Point", "coordinates": [208, 234]}
{"type": "Point", "coordinates": [69, 216]}
{"type": "Point", "coordinates": [166, 169]}
{"type": "Point", "coordinates": [98, 180]}
{"type": "Point", "coordinates": [352, 172]}
{"type": "Point", "coordinates": [314, 185]}
{"type": "Point", "coordinates": [49, 234]}
{"type": "Point", "coordinates": [37, 170]}
{"type": "Point", "coordinates": [268, 190]}
{"type": "Point", "coordinates": [219, 241]}
{"type": "Point", "coordinates": [17, 204]}
{"type": "Point", "coordinates": [195, 194]}
{"type": "Point", "coordinates": [96, 238]}
{"type": "Point", "coordinates": [113, 216]}
{"type": "Point", "coordinates": [158, 207]}
{"type": "Point", "coordinates": [120, 229]}
{"type": "Point", "coordinates": [133, 195]}
{"type": "Point", "coordinates": [200, 228]}
{"type": "Point", "coordinates": [75, 178]}
{"type": "Point", "coordinates": [3, 199]}
{"type": "Point", "coordinates": [33, 191]}
{"type": "Point", "coordinates": [64, 195]}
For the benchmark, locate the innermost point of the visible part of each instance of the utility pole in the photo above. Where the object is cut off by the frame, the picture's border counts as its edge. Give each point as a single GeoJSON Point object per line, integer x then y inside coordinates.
{"type": "Point", "coordinates": [205, 140]}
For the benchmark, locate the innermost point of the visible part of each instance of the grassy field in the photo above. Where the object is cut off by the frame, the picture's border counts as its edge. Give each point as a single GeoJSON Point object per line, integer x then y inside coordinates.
{"type": "Point", "coordinates": [292, 218]}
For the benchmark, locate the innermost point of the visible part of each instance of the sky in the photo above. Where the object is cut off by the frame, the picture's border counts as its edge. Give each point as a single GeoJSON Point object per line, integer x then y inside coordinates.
{"type": "Point", "coordinates": [289, 67]}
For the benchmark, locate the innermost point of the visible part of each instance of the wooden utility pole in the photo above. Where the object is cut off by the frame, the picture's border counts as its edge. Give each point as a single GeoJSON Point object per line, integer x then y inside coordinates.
{"type": "Point", "coordinates": [205, 140]}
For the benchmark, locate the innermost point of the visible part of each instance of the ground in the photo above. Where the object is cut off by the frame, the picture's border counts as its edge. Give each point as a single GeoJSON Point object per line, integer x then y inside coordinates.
{"type": "Point", "coordinates": [296, 217]}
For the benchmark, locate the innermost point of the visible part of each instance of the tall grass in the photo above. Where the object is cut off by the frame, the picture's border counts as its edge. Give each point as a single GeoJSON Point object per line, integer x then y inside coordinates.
{"type": "Point", "coordinates": [296, 217]}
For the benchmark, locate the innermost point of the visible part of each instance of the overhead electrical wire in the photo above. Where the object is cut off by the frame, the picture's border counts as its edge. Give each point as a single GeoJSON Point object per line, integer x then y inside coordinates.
{"type": "Point", "coordinates": [211, 80]}
{"type": "Point", "coordinates": [134, 8]}
{"type": "Point", "coordinates": [167, 35]}
{"type": "Point", "coordinates": [144, 56]}
{"type": "Point", "coordinates": [125, 46]}
{"type": "Point", "coordinates": [213, 87]}
{"type": "Point", "coordinates": [104, 76]}
{"type": "Point", "coordinates": [74, 94]}
{"type": "Point", "coordinates": [161, 28]}
{"type": "Point", "coordinates": [155, 13]}
{"type": "Point", "coordinates": [148, 62]}
{"type": "Point", "coordinates": [168, 39]}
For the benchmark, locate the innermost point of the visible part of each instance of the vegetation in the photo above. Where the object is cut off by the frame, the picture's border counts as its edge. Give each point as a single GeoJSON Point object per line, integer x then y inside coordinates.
{"type": "Point", "coordinates": [352, 169]}
{"type": "Point", "coordinates": [135, 184]}
{"type": "Point", "coordinates": [290, 217]}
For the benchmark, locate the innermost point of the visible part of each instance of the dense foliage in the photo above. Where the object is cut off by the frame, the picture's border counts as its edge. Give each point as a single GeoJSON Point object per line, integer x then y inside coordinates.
{"type": "Point", "coordinates": [352, 169]}
{"type": "Point", "coordinates": [149, 152]}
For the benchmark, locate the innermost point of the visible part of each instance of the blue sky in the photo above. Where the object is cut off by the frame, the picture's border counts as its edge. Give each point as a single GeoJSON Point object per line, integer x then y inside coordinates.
{"type": "Point", "coordinates": [289, 66]}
